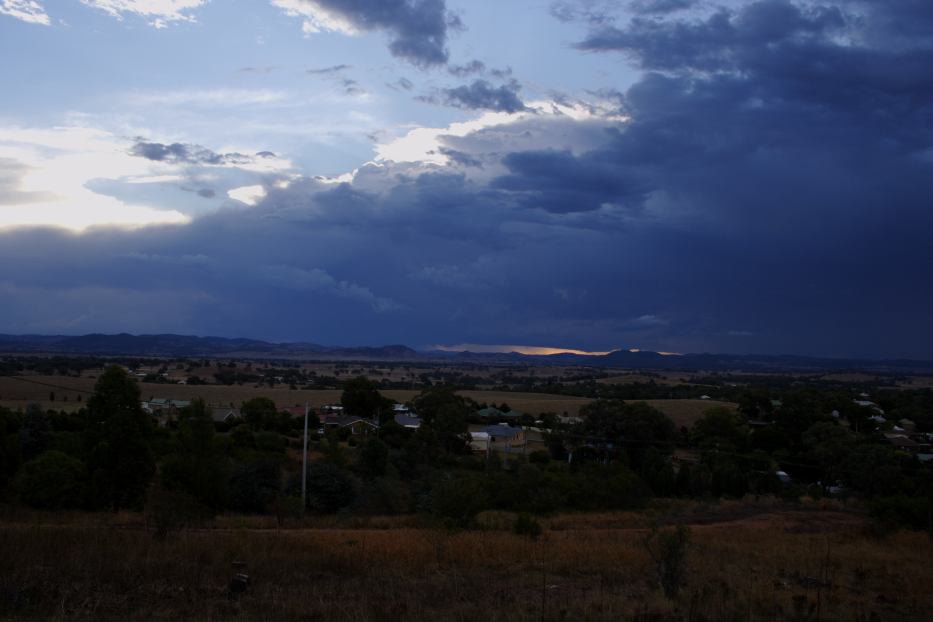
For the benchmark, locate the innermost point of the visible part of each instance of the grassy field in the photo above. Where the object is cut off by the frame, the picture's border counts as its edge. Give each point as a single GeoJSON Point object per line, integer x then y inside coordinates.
{"type": "Point", "coordinates": [770, 564]}
{"type": "Point", "coordinates": [16, 392]}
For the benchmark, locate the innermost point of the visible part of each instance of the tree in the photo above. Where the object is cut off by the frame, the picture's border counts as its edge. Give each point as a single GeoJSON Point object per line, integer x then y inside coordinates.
{"type": "Point", "coordinates": [10, 457]}
{"type": "Point", "coordinates": [721, 427]}
{"type": "Point", "coordinates": [197, 468]}
{"type": "Point", "coordinates": [636, 427]}
{"type": "Point", "coordinates": [828, 445]}
{"type": "Point", "coordinates": [373, 459]}
{"type": "Point", "coordinates": [255, 484]}
{"type": "Point", "coordinates": [329, 487]}
{"type": "Point", "coordinates": [451, 427]}
{"type": "Point", "coordinates": [34, 432]}
{"type": "Point", "coordinates": [430, 402]}
{"type": "Point", "coordinates": [259, 413]}
{"type": "Point", "coordinates": [361, 398]}
{"type": "Point", "coordinates": [120, 460]}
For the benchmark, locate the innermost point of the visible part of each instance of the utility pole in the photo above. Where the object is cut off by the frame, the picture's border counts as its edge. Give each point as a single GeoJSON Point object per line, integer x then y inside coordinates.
{"type": "Point", "coordinates": [304, 465]}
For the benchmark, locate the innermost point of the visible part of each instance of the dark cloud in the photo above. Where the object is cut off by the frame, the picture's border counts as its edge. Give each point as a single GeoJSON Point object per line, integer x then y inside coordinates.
{"type": "Point", "coordinates": [418, 28]}
{"type": "Point", "coordinates": [559, 181]}
{"type": "Point", "coordinates": [461, 158]}
{"type": "Point", "coordinates": [402, 83]}
{"type": "Point", "coordinates": [329, 70]}
{"type": "Point", "coordinates": [207, 193]}
{"type": "Point", "coordinates": [482, 95]}
{"type": "Point", "coordinates": [660, 6]}
{"type": "Point", "coordinates": [188, 154]}
{"type": "Point", "coordinates": [467, 69]}
{"type": "Point", "coordinates": [592, 11]}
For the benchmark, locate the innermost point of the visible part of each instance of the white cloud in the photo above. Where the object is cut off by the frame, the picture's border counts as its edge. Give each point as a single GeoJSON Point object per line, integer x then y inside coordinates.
{"type": "Point", "coordinates": [27, 10]}
{"type": "Point", "coordinates": [250, 195]}
{"type": "Point", "coordinates": [208, 97]}
{"type": "Point", "coordinates": [160, 12]}
{"type": "Point", "coordinates": [80, 177]}
{"type": "Point", "coordinates": [423, 144]}
{"type": "Point", "coordinates": [57, 166]}
{"type": "Point", "coordinates": [316, 18]}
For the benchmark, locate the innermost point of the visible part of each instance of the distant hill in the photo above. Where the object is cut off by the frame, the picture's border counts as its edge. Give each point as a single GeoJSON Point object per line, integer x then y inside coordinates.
{"type": "Point", "coordinates": [169, 345]}
{"type": "Point", "coordinates": [125, 344]}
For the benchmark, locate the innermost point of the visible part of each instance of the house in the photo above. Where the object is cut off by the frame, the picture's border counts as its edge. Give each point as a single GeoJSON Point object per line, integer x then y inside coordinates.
{"type": "Point", "coordinates": [225, 415]}
{"type": "Point", "coordinates": [491, 412]}
{"type": "Point", "coordinates": [406, 421]}
{"type": "Point", "coordinates": [899, 441]}
{"type": "Point", "coordinates": [401, 409]}
{"type": "Point", "coordinates": [479, 441]}
{"type": "Point", "coordinates": [868, 404]}
{"type": "Point", "coordinates": [164, 409]}
{"type": "Point", "coordinates": [295, 411]}
{"type": "Point", "coordinates": [505, 437]}
{"type": "Point", "coordinates": [357, 425]}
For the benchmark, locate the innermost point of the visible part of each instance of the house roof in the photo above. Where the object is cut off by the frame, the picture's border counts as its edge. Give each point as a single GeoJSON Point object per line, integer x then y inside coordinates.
{"type": "Point", "coordinates": [219, 415]}
{"type": "Point", "coordinates": [502, 430]}
{"type": "Point", "coordinates": [492, 411]}
{"type": "Point", "coordinates": [408, 422]}
{"type": "Point", "coordinates": [345, 420]}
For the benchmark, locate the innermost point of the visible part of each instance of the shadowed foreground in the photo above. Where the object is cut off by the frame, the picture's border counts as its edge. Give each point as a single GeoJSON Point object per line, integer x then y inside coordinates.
{"type": "Point", "coordinates": [777, 566]}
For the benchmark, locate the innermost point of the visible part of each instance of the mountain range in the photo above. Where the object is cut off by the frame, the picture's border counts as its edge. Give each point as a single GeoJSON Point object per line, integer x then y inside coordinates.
{"type": "Point", "coordinates": [169, 345]}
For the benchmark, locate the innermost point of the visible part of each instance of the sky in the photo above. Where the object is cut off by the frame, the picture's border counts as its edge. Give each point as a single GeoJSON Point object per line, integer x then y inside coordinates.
{"type": "Point", "coordinates": [671, 175]}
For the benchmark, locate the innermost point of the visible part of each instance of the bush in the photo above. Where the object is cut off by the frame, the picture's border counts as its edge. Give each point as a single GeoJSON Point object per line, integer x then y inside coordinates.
{"type": "Point", "coordinates": [902, 512]}
{"type": "Point", "coordinates": [455, 501]}
{"type": "Point", "coordinates": [525, 525]}
{"type": "Point", "coordinates": [539, 457]}
{"type": "Point", "coordinates": [668, 551]}
{"type": "Point", "coordinates": [329, 487]}
{"type": "Point", "coordinates": [51, 481]}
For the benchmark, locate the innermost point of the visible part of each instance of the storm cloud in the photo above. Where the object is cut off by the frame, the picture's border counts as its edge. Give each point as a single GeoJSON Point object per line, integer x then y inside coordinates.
{"type": "Point", "coordinates": [418, 29]}
{"type": "Point", "coordinates": [482, 95]}
{"type": "Point", "coordinates": [762, 186]}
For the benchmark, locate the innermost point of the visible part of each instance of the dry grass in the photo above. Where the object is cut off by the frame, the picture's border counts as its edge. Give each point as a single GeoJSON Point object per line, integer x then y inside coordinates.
{"type": "Point", "coordinates": [779, 566]}
{"type": "Point", "coordinates": [687, 412]}
{"type": "Point", "coordinates": [15, 393]}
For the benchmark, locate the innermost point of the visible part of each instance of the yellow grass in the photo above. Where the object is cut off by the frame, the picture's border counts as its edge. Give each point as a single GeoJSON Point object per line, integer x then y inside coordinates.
{"type": "Point", "coordinates": [777, 566]}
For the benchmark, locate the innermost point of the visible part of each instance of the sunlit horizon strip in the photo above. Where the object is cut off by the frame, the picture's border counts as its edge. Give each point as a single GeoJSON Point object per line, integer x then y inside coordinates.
{"type": "Point", "coordinates": [507, 349]}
